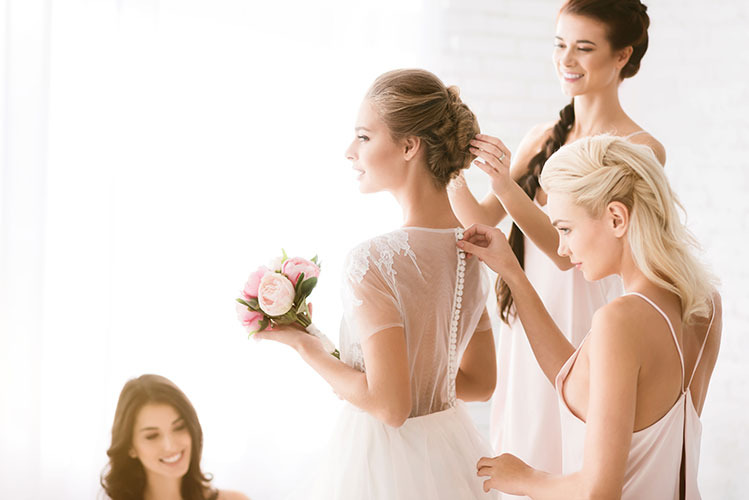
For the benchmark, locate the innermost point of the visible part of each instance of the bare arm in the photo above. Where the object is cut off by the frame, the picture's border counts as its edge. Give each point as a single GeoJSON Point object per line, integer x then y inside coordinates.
{"type": "Point", "coordinates": [383, 391]}
{"type": "Point", "coordinates": [477, 375]}
{"type": "Point", "coordinates": [612, 394]}
{"type": "Point", "coordinates": [525, 213]}
{"type": "Point", "coordinates": [469, 210]}
{"type": "Point", "coordinates": [490, 211]}
{"type": "Point", "coordinates": [550, 347]}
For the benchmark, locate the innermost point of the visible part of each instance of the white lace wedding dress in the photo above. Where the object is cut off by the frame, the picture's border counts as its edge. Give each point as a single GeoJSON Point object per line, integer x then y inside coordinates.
{"type": "Point", "coordinates": [418, 279]}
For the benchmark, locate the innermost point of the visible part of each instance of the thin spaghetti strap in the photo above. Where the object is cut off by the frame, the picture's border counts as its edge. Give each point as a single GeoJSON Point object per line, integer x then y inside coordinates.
{"type": "Point", "coordinates": [702, 349]}
{"type": "Point", "coordinates": [673, 334]}
{"type": "Point", "coordinates": [635, 133]}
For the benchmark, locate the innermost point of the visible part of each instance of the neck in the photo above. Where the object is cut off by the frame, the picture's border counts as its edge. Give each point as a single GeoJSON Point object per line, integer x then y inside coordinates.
{"type": "Point", "coordinates": [162, 488]}
{"type": "Point", "coordinates": [423, 204]}
{"type": "Point", "coordinates": [633, 279]}
{"type": "Point", "coordinates": [597, 112]}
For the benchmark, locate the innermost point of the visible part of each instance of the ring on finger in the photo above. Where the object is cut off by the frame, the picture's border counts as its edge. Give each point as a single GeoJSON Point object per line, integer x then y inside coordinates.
{"type": "Point", "coordinates": [502, 157]}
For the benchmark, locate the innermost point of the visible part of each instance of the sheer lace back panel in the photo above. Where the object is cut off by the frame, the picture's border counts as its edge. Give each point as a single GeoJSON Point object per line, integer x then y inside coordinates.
{"type": "Point", "coordinates": [415, 278]}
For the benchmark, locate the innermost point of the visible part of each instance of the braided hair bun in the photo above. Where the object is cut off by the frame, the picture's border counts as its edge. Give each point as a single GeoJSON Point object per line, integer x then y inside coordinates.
{"type": "Point", "coordinates": [414, 102]}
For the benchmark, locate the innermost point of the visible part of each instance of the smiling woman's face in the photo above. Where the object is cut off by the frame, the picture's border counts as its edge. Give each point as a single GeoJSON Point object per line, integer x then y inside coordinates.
{"type": "Point", "coordinates": [583, 57]}
{"type": "Point", "coordinates": [161, 441]}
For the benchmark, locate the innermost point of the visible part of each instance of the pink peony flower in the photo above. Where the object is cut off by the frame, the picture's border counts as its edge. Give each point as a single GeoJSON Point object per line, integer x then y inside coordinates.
{"type": "Point", "coordinates": [295, 266]}
{"type": "Point", "coordinates": [253, 282]}
{"type": "Point", "coordinates": [275, 294]}
{"type": "Point", "coordinates": [249, 319]}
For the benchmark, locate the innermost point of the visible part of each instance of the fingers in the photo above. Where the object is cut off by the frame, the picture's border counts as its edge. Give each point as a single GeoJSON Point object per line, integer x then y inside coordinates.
{"type": "Point", "coordinates": [489, 159]}
{"type": "Point", "coordinates": [490, 148]}
{"type": "Point", "coordinates": [486, 486]}
{"type": "Point", "coordinates": [471, 249]}
{"type": "Point", "coordinates": [478, 232]}
{"type": "Point", "coordinates": [484, 462]}
{"type": "Point", "coordinates": [485, 167]}
{"type": "Point", "coordinates": [494, 141]}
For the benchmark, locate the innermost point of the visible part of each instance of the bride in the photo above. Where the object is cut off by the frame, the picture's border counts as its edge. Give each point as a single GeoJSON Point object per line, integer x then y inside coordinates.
{"type": "Point", "coordinates": [416, 339]}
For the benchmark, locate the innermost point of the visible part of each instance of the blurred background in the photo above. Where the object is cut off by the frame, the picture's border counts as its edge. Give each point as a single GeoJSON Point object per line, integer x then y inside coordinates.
{"type": "Point", "coordinates": [155, 152]}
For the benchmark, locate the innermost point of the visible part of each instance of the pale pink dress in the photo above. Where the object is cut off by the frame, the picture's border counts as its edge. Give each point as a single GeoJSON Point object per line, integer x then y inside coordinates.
{"type": "Point", "coordinates": [525, 413]}
{"type": "Point", "coordinates": [654, 462]}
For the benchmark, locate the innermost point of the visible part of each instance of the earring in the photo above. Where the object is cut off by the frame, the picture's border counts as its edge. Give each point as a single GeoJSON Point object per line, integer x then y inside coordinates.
{"type": "Point", "coordinates": [132, 454]}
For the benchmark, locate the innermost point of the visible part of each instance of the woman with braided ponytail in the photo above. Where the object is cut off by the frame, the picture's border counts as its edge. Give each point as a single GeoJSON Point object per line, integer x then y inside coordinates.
{"type": "Point", "coordinates": [630, 396]}
{"type": "Point", "coordinates": [416, 340]}
{"type": "Point", "coordinates": [598, 43]}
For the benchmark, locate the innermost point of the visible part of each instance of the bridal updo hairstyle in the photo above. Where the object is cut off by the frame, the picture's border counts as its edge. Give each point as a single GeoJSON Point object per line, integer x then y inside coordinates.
{"type": "Point", "coordinates": [595, 171]}
{"type": "Point", "coordinates": [414, 102]}
{"type": "Point", "coordinates": [627, 24]}
{"type": "Point", "coordinates": [124, 477]}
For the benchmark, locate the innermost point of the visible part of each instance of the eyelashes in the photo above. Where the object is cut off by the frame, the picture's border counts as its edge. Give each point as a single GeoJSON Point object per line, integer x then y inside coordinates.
{"type": "Point", "coordinates": [151, 437]}
{"type": "Point", "coordinates": [580, 49]}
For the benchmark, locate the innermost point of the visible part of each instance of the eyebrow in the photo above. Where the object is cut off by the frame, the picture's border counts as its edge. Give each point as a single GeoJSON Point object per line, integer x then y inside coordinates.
{"type": "Point", "coordinates": [156, 428]}
{"type": "Point", "coordinates": [362, 128]}
{"type": "Point", "coordinates": [577, 41]}
{"type": "Point", "coordinates": [558, 221]}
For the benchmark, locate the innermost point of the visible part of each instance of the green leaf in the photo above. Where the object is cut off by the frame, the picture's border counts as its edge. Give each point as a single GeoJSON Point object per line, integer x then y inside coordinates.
{"type": "Point", "coordinates": [314, 259]}
{"type": "Point", "coordinates": [307, 287]}
{"type": "Point", "coordinates": [284, 257]}
{"type": "Point", "coordinates": [252, 304]}
{"type": "Point", "coordinates": [262, 325]}
{"type": "Point", "coordinates": [299, 282]}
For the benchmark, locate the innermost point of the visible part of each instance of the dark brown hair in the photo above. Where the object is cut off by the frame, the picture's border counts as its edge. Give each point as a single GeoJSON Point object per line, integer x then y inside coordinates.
{"type": "Point", "coordinates": [124, 478]}
{"type": "Point", "coordinates": [627, 24]}
{"type": "Point", "coordinates": [414, 102]}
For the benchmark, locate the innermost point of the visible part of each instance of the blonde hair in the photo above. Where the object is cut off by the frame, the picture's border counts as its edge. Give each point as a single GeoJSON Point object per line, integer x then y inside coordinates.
{"type": "Point", "coordinates": [414, 102]}
{"type": "Point", "coordinates": [596, 171]}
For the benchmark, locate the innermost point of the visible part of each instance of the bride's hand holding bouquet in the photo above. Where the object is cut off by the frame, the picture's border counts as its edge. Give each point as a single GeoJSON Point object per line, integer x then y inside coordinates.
{"type": "Point", "coordinates": [274, 304]}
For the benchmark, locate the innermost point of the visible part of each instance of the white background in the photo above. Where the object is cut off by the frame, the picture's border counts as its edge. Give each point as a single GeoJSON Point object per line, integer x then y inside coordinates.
{"type": "Point", "coordinates": [154, 153]}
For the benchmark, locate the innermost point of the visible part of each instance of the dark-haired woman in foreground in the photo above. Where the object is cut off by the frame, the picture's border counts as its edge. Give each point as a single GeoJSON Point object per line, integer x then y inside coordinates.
{"type": "Point", "coordinates": [156, 447]}
{"type": "Point", "coordinates": [598, 44]}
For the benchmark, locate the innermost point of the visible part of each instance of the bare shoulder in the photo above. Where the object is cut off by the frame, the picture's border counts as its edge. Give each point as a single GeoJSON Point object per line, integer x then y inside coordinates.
{"type": "Point", "coordinates": [536, 137]}
{"type": "Point", "coordinates": [653, 143]}
{"type": "Point", "coordinates": [716, 325]}
{"type": "Point", "coordinates": [231, 495]}
{"type": "Point", "coordinates": [531, 144]}
{"type": "Point", "coordinates": [618, 325]}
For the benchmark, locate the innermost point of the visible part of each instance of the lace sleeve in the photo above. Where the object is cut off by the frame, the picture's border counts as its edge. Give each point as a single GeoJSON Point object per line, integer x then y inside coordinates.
{"type": "Point", "coordinates": [370, 296]}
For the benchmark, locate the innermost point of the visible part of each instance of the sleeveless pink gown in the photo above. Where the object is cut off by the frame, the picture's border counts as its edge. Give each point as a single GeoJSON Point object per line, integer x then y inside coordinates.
{"type": "Point", "coordinates": [654, 462]}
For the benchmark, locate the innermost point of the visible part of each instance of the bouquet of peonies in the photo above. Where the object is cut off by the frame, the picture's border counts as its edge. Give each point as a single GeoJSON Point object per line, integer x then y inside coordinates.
{"type": "Point", "coordinates": [277, 295]}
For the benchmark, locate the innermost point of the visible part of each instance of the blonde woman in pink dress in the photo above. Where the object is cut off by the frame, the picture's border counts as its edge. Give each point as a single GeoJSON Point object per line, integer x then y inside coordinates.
{"type": "Point", "coordinates": [630, 396]}
{"type": "Point", "coordinates": [598, 44]}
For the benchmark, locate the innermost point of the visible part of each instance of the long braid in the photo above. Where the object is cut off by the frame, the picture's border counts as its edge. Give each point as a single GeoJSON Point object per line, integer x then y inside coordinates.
{"type": "Point", "coordinates": [529, 183]}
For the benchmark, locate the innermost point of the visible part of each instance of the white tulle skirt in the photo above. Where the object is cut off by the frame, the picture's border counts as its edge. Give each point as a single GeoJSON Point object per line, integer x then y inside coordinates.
{"type": "Point", "coordinates": [429, 457]}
